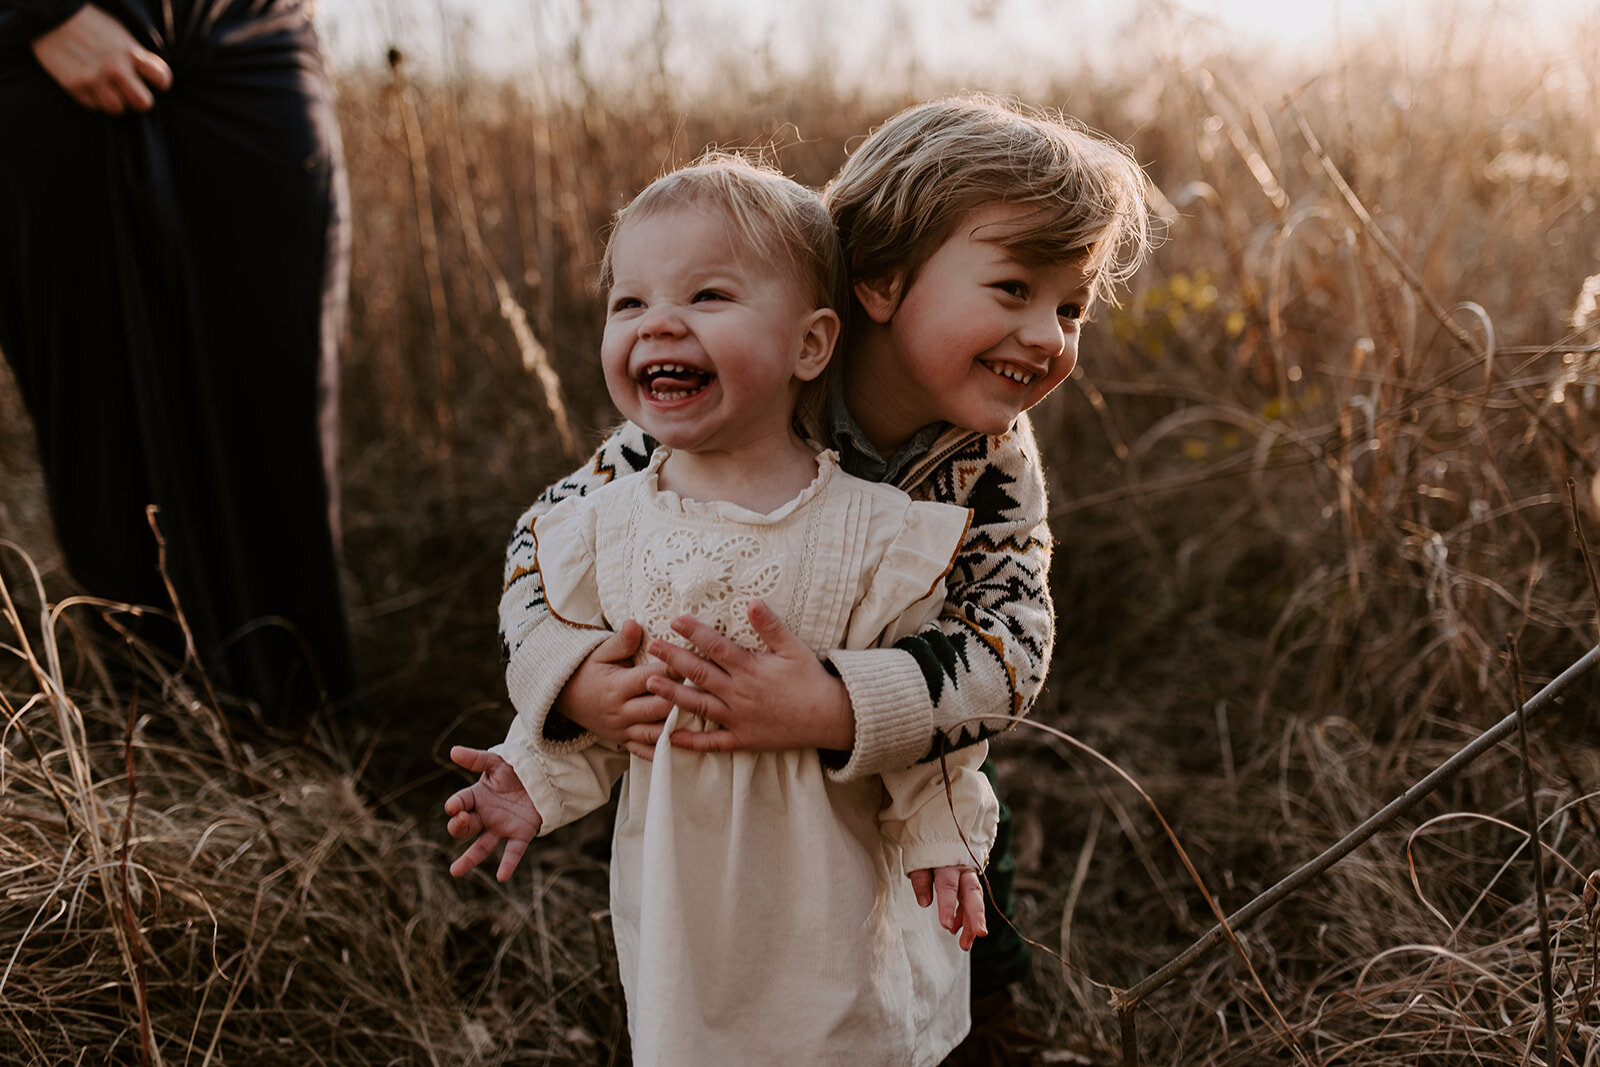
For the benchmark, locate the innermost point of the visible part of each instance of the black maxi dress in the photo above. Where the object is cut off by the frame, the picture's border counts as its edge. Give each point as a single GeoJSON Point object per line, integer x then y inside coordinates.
{"type": "Point", "coordinates": [172, 286]}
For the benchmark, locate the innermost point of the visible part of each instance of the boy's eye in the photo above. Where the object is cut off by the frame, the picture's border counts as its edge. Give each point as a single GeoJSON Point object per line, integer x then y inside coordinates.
{"type": "Point", "coordinates": [625, 303]}
{"type": "Point", "coordinates": [1072, 312]}
{"type": "Point", "coordinates": [1016, 289]}
{"type": "Point", "coordinates": [708, 294]}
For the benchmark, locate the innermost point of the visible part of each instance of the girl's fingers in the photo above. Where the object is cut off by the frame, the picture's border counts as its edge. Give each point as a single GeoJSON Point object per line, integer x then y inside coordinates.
{"type": "Point", "coordinates": [712, 645]}
{"type": "Point", "coordinates": [622, 646]}
{"type": "Point", "coordinates": [472, 759]}
{"type": "Point", "coordinates": [922, 886]}
{"type": "Point", "coordinates": [683, 663]}
{"type": "Point", "coordinates": [510, 858]}
{"type": "Point", "coordinates": [972, 910]}
{"type": "Point", "coordinates": [707, 741]}
{"type": "Point", "coordinates": [475, 854]}
{"type": "Point", "coordinates": [773, 633]}
{"type": "Point", "coordinates": [644, 711]}
{"type": "Point", "coordinates": [694, 701]}
{"type": "Point", "coordinates": [947, 887]}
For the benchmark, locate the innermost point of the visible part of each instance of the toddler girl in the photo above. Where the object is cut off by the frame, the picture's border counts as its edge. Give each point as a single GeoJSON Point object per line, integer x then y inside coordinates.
{"type": "Point", "coordinates": [762, 909]}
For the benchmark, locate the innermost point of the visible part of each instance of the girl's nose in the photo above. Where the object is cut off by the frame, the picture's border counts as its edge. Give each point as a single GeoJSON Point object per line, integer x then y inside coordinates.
{"type": "Point", "coordinates": [661, 321]}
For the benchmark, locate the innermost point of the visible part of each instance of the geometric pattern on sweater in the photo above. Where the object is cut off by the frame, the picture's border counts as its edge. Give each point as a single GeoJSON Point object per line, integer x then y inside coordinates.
{"type": "Point", "coordinates": [984, 659]}
{"type": "Point", "coordinates": [1000, 607]}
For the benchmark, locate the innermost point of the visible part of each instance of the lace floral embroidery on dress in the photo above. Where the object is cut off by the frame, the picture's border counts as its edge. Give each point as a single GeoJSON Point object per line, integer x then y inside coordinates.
{"type": "Point", "coordinates": [710, 576]}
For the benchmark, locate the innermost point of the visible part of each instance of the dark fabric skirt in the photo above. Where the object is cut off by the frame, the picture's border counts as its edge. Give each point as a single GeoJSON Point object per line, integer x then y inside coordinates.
{"type": "Point", "coordinates": [172, 286]}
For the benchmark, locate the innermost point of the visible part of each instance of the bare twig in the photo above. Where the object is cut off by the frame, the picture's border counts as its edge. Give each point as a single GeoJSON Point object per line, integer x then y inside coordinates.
{"type": "Point", "coordinates": [1303, 874]}
{"type": "Point", "coordinates": [1531, 807]}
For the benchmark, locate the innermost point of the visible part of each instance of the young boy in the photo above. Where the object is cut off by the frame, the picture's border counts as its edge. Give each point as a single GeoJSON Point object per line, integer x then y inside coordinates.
{"type": "Point", "coordinates": [978, 233]}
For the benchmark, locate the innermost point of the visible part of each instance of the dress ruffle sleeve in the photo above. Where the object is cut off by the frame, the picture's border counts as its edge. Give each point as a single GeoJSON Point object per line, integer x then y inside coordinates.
{"type": "Point", "coordinates": [569, 780]}
{"type": "Point", "coordinates": [572, 626]}
{"type": "Point", "coordinates": [912, 572]}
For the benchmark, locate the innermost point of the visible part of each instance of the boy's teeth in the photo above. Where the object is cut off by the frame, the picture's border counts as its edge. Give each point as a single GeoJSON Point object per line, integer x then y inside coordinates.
{"type": "Point", "coordinates": [1011, 372]}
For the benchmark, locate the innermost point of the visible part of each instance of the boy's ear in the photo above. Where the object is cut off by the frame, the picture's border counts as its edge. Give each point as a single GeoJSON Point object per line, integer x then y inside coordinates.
{"type": "Point", "coordinates": [816, 344]}
{"type": "Point", "coordinates": [879, 296]}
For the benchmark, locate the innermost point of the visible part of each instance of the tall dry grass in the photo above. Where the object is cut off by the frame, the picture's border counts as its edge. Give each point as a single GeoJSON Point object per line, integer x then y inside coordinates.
{"type": "Point", "coordinates": [1309, 487]}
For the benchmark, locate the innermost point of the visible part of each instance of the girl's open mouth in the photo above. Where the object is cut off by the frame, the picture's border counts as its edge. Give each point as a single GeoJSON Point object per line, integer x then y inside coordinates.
{"type": "Point", "coordinates": [672, 381]}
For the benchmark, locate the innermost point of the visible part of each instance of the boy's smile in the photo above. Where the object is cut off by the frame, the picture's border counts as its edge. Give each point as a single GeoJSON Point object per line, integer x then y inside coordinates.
{"type": "Point", "coordinates": [977, 338]}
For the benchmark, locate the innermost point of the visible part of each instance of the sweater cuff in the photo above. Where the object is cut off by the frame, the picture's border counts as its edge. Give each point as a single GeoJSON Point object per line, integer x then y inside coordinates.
{"type": "Point", "coordinates": [893, 712]}
{"type": "Point", "coordinates": [535, 675]}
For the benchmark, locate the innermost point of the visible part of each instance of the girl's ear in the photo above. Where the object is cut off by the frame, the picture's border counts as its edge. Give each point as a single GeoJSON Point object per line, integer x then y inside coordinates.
{"type": "Point", "coordinates": [880, 296]}
{"type": "Point", "coordinates": [816, 344]}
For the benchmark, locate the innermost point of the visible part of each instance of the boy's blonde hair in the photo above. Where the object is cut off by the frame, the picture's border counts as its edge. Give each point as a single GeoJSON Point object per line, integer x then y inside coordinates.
{"type": "Point", "coordinates": [773, 217]}
{"type": "Point", "coordinates": [902, 191]}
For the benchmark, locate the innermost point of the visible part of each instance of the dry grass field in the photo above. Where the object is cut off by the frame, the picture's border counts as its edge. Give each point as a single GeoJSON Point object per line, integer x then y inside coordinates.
{"type": "Point", "coordinates": [1321, 489]}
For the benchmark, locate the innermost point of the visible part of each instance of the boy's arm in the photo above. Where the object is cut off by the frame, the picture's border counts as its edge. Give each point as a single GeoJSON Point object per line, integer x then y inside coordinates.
{"type": "Point", "coordinates": [540, 651]}
{"type": "Point", "coordinates": [985, 657]}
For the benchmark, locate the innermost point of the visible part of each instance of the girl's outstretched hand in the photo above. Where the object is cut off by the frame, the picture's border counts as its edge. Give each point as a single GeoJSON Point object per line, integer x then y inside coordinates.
{"type": "Point", "coordinates": [769, 701]}
{"type": "Point", "coordinates": [960, 896]}
{"type": "Point", "coordinates": [496, 808]}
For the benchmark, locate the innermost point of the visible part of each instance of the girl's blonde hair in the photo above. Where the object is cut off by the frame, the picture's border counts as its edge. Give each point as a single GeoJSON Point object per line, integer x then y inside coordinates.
{"type": "Point", "coordinates": [773, 217]}
{"type": "Point", "coordinates": [903, 190]}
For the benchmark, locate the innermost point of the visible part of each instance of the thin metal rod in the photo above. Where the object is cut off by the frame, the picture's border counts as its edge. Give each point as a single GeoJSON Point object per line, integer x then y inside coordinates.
{"type": "Point", "coordinates": [1129, 998]}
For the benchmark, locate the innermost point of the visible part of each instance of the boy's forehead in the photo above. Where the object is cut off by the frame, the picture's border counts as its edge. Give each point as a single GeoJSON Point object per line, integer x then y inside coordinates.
{"type": "Point", "coordinates": [1015, 232]}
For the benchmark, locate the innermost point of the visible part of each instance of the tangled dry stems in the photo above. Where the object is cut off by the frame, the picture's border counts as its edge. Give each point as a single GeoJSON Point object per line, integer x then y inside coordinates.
{"type": "Point", "coordinates": [1304, 490]}
{"type": "Point", "coordinates": [171, 896]}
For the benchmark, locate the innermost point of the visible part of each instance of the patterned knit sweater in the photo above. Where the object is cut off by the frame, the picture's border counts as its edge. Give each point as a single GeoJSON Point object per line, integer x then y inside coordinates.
{"type": "Point", "coordinates": [951, 684]}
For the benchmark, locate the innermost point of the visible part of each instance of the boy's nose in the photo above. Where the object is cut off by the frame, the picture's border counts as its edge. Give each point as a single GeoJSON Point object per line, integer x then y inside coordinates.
{"type": "Point", "coordinates": [1043, 334]}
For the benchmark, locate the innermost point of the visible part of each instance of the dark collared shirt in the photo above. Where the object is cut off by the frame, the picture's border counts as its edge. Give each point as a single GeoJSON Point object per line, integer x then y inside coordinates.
{"type": "Point", "coordinates": [857, 455]}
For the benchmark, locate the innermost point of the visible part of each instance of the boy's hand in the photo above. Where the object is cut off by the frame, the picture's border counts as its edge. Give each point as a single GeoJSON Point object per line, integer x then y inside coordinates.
{"type": "Point", "coordinates": [496, 808]}
{"type": "Point", "coordinates": [770, 701]}
{"type": "Point", "coordinates": [960, 896]}
{"type": "Point", "coordinates": [608, 695]}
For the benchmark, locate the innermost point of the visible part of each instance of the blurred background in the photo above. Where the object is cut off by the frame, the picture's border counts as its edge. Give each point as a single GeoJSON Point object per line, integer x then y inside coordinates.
{"type": "Point", "coordinates": [1332, 459]}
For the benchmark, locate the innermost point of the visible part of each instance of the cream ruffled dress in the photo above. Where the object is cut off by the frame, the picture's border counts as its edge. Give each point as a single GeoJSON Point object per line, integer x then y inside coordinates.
{"type": "Point", "coordinates": [762, 910]}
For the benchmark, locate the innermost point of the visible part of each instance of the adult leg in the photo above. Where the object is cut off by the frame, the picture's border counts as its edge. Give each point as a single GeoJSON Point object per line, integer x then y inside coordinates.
{"type": "Point", "coordinates": [63, 331]}
{"type": "Point", "coordinates": [257, 173]}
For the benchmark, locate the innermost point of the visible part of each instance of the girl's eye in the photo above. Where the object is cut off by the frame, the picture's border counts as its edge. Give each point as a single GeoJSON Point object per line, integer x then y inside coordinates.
{"type": "Point", "coordinates": [1016, 289]}
{"type": "Point", "coordinates": [1071, 312]}
{"type": "Point", "coordinates": [625, 303]}
{"type": "Point", "coordinates": [708, 294]}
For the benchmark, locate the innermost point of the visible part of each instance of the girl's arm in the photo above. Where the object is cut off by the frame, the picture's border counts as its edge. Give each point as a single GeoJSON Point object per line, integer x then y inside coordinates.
{"type": "Point", "coordinates": [956, 681]}
{"type": "Point", "coordinates": [548, 660]}
{"type": "Point", "coordinates": [942, 833]}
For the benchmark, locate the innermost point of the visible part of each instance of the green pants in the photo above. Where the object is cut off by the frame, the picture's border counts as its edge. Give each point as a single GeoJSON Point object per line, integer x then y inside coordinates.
{"type": "Point", "coordinates": [1002, 957]}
